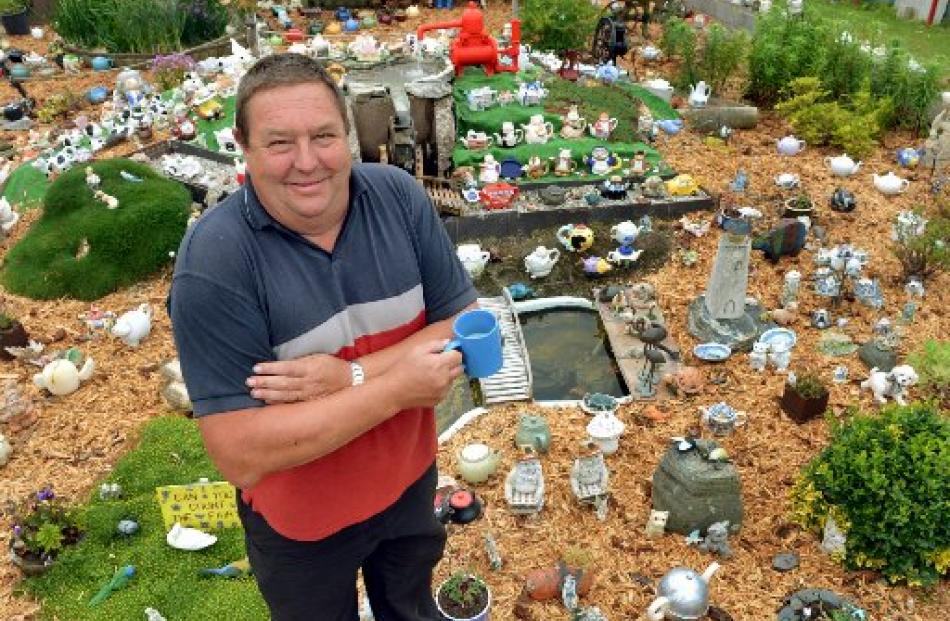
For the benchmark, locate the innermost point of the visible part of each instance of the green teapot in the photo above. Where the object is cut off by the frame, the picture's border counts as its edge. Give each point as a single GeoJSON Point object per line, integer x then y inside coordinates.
{"type": "Point", "coordinates": [533, 433]}
{"type": "Point", "coordinates": [316, 27]}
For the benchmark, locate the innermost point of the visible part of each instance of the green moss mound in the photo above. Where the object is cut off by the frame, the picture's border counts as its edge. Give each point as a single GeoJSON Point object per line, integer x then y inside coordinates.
{"type": "Point", "coordinates": [125, 245]}
{"type": "Point", "coordinates": [885, 479]}
{"type": "Point", "coordinates": [171, 452]}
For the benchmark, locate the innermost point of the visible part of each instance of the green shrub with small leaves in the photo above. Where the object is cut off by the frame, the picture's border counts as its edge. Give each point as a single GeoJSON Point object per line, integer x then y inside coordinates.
{"type": "Point", "coordinates": [810, 386]}
{"type": "Point", "coordinates": [846, 66]}
{"type": "Point", "coordinates": [932, 364]}
{"type": "Point", "coordinates": [784, 49]}
{"type": "Point", "coordinates": [558, 25]}
{"type": "Point", "coordinates": [679, 41]}
{"type": "Point", "coordinates": [911, 89]}
{"type": "Point", "coordinates": [722, 55]}
{"type": "Point", "coordinates": [886, 481]}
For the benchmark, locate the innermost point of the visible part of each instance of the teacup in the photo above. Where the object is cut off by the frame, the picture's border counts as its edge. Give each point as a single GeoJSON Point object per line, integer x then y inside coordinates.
{"type": "Point", "coordinates": [478, 337]}
{"type": "Point", "coordinates": [722, 419]}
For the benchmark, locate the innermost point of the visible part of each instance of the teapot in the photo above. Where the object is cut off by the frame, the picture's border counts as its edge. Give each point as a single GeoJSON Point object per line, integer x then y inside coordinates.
{"type": "Point", "coordinates": [538, 131]}
{"type": "Point", "coordinates": [596, 266]}
{"type": "Point", "coordinates": [540, 262]}
{"type": "Point", "coordinates": [61, 377]}
{"type": "Point", "coordinates": [660, 87]}
{"type": "Point", "coordinates": [624, 256]}
{"type": "Point", "coordinates": [842, 166]}
{"type": "Point", "coordinates": [699, 95]}
{"type": "Point", "coordinates": [603, 126]}
{"type": "Point", "coordinates": [670, 126]}
{"type": "Point", "coordinates": [477, 140]}
{"type": "Point", "coordinates": [473, 259]}
{"type": "Point", "coordinates": [650, 52]}
{"type": "Point", "coordinates": [722, 419]}
{"type": "Point", "coordinates": [625, 233]}
{"type": "Point", "coordinates": [134, 325]}
{"type": "Point", "coordinates": [477, 462]}
{"type": "Point", "coordinates": [490, 170]}
{"type": "Point", "coordinates": [908, 157]}
{"type": "Point", "coordinates": [787, 180]}
{"type": "Point", "coordinates": [790, 145]}
{"type": "Point", "coordinates": [536, 167]}
{"type": "Point", "coordinates": [510, 136]}
{"type": "Point", "coordinates": [575, 237]}
{"type": "Point", "coordinates": [564, 164]}
{"type": "Point", "coordinates": [682, 595]}
{"type": "Point", "coordinates": [890, 183]}
{"type": "Point", "coordinates": [533, 433]}
{"type": "Point", "coordinates": [573, 124]}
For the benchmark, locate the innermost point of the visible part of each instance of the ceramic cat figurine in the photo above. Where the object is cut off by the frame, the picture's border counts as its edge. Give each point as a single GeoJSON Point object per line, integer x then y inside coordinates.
{"type": "Point", "coordinates": [656, 524]}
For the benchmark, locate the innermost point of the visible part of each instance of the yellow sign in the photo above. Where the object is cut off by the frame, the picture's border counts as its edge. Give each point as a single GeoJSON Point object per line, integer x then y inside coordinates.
{"type": "Point", "coordinates": [206, 506]}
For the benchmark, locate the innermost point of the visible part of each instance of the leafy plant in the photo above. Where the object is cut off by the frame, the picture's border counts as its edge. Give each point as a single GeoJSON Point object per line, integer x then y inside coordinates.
{"type": "Point", "coordinates": [926, 254]}
{"type": "Point", "coordinates": [14, 7]}
{"type": "Point", "coordinates": [932, 364]}
{"type": "Point", "coordinates": [911, 87]}
{"type": "Point", "coordinates": [810, 386]}
{"type": "Point", "coordinates": [846, 66]}
{"type": "Point", "coordinates": [721, 55]}
{"type": "Point", "coordinates": [886, 480]}
{"type": "Point", "coordinates": [6, 321]}
{"type": "Point", "coordinates": [782, 50]}
{"type": "Point", "coordinates": [170, 70]}
{"type": "Point", "coordinates": [59, 105]}
{"type": "Point", "coordinates": [42, 525]}
{"type": "Point", "coordinates": [464, 590]}
{"type": "Point", "coordinates": [558, 24]}
{"type": "Point", "coordinates": [679, 41]}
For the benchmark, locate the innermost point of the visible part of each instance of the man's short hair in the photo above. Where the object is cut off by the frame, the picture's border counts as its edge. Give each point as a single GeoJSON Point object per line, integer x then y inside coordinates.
{"type": "Point", "coordinates": [278, 70]}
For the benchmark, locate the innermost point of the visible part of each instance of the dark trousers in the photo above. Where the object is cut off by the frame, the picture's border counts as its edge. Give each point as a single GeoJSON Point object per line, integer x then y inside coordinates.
{"type": "Point", "coordinates": [316, 581]}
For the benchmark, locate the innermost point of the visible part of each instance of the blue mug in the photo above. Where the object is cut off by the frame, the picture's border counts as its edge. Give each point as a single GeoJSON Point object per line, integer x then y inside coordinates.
{"type": "Point", "coordinates": [478, 337]}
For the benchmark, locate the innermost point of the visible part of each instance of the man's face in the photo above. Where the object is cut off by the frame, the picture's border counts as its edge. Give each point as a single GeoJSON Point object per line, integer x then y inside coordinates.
{"type": "Point", "coordinates": [298, 156]}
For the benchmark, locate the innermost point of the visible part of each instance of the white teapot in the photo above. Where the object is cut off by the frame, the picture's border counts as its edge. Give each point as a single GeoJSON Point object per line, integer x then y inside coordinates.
{"type": "Point", "coordinates": [509, 137]}
{"type": "Point", "coordinates": [699, 94]}
{"type": "Point", "coordinates": [787, 180]}
{"type": "Point", "coordinates": [624, 256]}
{"type": "Point", "coordinates": [540, 262]}
{"type": "Point", "coordinates": [134, 325]}
{"type": "Point", "coordinates": [477, 462]}
{"type": "Point", "coordinates": [473, 259]}
{"type": "Point", "coordinates": [890, 183]}
{"type": "Point", "coordinates": [790, 145]}
{"type": "Point", "coordinates": [5, 450]}
{"type": "Point", "coordinates": [538, 131]}
{"type": "Point", "coordinates": [490, 170]}
{"type": "Point", "coordinates": [625, 233]}
{"type": "Point", "coordinates": [61, 377]}
{"type": "Point", "coordinates": [842, 166]}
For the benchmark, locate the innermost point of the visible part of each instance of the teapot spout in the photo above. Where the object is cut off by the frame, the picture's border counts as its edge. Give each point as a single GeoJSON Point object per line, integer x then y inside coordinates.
{"type": "Point", "coordinates": [712, 569]}
{"type": "Point", "coordinates": [657, 610]}
{"type": "Point", "coordinates": [87, 368]}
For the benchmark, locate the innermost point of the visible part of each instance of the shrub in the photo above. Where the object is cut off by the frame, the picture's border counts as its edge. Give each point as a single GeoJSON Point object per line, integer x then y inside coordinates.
{"type": "Point", "coordinates": [42, 525]}
{"type": "Point", "coordinates": [558, 24]}
{"type": "Point", "coordinates": [810, 386]}
{"type": "Point", "coordinates": [6, 321]}
{"type": "Point", "coordinates": [679, 41]}
{"type": "Point", "coordinates": [932, 364]}
{"type": "Point", "coordinates": [80, 249]}
{"type": "Point", "coordinates": [721, 55]}
{"type": "Point", "coordinates": [466, 592]}
{"type": "Point", "coordinates": [784, 49]}
{"type": "Point", "coordinates": [846, 66]}
{"type": "Point", "coordinates": [886, 480]}
{"type": "Point", "coordinates": [926, 254]}
{"type": "Point", "coordinates": [911, 90]}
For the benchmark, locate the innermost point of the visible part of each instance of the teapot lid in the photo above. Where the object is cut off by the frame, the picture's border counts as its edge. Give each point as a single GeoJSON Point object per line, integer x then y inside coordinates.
{"type": "Point", "coordinates": [475, 451]}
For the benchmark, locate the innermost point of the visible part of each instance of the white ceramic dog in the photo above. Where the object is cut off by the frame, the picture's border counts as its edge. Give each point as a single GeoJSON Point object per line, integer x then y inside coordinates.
{"type": "Point", "coordinates": [893, 384]}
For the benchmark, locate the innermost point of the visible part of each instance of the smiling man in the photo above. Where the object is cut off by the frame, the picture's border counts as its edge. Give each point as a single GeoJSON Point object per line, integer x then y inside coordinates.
{"type": "Point", "coordinates": [310, 310]}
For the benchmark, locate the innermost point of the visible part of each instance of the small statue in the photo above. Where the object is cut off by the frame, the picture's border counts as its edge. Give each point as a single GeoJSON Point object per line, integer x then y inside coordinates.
{"type": "Point", "coordinates": [717, 539]}
{"type": "Point", "coordinates": [656, 523]}
{"type": "Point", "coordinates": [893, 384]}
{"type": "Point", "coordinates": [589, 481]}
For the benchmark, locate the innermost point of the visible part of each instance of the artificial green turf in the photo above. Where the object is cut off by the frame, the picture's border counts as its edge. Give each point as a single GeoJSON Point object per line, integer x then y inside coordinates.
{"type": "Point", "coordinates": [170, 452]}
{"type": "Point", "coordinates": [127, 244]}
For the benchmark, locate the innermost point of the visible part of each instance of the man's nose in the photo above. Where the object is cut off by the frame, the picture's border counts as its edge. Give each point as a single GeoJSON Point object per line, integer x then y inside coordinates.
{"type": "Point", "coordinates": [307, 155]}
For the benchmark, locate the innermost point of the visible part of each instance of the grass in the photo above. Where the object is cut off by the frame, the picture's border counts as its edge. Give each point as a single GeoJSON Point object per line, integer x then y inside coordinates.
{"type": "Point", "coordinates": [171, 452]}
{"type": "Point", "coordinates": [126, 245]}
{"type": "Point", "coordinates": [878, 23]}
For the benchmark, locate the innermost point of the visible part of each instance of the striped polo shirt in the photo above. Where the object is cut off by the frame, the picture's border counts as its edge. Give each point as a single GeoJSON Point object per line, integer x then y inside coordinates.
{"type": "Point", "coordinates": [246, 289]}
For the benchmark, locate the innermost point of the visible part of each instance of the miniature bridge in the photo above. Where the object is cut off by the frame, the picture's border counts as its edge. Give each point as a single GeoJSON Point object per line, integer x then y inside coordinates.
{"type": "Point", "coordinates": [513, 381]}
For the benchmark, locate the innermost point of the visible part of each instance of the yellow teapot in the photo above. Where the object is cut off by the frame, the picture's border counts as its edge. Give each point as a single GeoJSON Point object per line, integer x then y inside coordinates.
{"type": "Point", "coordinates": [682, 185]}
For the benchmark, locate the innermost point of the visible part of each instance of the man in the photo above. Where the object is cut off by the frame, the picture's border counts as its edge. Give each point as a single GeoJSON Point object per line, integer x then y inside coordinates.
{"type": "Point", "coordinates": [310, 310]}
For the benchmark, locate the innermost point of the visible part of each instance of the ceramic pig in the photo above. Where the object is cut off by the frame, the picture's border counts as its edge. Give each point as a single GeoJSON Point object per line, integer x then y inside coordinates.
{"type": "Point", "coordinates": [134, 325]}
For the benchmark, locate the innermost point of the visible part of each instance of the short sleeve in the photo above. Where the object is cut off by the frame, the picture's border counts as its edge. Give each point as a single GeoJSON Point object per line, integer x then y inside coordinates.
{"type": "Point", "coordinates": [446, 287]}
{"type": "Point", "coordinates": [220, 333]}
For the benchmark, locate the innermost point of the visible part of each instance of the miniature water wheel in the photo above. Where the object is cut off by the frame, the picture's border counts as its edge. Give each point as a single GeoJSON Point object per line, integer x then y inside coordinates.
{"type": "Point", "coordinates": [610, 34]}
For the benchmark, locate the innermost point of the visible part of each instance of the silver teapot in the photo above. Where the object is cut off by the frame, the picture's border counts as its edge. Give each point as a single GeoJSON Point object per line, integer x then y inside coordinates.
{"type": "Point", "coordinates": [683, 595]}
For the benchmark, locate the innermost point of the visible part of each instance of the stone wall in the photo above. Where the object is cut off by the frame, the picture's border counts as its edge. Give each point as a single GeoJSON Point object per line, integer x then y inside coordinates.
{"type": "Point", "coordinates": [732, 15]}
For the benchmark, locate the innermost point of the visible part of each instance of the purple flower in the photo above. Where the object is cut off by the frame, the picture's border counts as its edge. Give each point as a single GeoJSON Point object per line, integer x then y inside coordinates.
{"type": "Point", "coordinates": [17, 530]}
{"type": "Point", "coordinates": [45, 494]}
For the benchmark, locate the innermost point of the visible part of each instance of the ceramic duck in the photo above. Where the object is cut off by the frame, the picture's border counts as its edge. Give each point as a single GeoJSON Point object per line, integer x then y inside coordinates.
{"type": "Point", "coordinates": [61, 377]}
{"type": "Point", "coordinates": [134, 325]}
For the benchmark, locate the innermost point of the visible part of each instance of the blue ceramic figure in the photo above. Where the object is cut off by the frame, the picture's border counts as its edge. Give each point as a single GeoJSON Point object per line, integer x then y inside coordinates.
{"type": "Point", "coordinates": [740, 183]}
{"type": "Point", "coordinates": [520, 291]}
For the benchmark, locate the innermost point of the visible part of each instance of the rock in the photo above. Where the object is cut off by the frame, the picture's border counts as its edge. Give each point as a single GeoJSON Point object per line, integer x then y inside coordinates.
{"type": "Point", "coordinates": [874, 355]}
{"type": "Point", "coordinates": [785, 561]}
{"type": "Point", "coordinates": [739, 333]}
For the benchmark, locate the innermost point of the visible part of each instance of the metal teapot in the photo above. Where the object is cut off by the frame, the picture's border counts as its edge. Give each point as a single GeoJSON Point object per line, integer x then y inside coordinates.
{"type": "Point", "coordinates": [683, 595]}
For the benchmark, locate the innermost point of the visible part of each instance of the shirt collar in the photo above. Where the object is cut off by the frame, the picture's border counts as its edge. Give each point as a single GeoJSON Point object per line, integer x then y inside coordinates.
{"type": "Point", "coordinates": [259, 218]}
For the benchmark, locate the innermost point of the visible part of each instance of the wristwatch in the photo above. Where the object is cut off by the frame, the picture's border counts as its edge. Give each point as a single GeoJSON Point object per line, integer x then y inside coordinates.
{"type": "Point", "coordinates": [356, 370]}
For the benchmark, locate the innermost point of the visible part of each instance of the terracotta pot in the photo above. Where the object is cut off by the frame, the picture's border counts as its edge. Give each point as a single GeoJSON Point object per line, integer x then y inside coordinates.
{"type": "Point", "coordinates": [801, 409]}
{"type": "Point", "coordinates": [14, 336]}
{"type": "Point", "coordinates": [544, 584]}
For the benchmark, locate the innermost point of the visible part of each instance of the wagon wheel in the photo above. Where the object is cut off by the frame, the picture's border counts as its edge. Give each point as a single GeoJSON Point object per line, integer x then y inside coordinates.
{"type": "Point", "coordinates": [602, 48]}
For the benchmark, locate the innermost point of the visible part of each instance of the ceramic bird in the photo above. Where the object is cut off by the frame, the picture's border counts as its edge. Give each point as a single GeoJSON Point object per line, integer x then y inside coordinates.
{"type": "Point", "coordinates": [694, 228]}
{"type": "Point", "coordinates": [190, 539]}
{"type": "Point", "coordinates": [119, 580]}
{"type": "Point", "coordinates": [236, 569]}
{"type": "Point", "coordinates": [520, 291]}
{"type": "Point", "coordinates": [92, 179]}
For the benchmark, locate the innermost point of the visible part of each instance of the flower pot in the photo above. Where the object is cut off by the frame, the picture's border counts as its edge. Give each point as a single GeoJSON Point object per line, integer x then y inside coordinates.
{"type": "Point", "coordinates": [29, 565]}
{"type": "Point", "coordinates": [801, 409]}
{"type": "Point", "coordinates": [14, 336]}
{"type": "Point", "coordinates": [16, 23]}
{"type": "Point", "coordinates": [795, 210]}
{"type": "Point", "coordinates": [451, 614]}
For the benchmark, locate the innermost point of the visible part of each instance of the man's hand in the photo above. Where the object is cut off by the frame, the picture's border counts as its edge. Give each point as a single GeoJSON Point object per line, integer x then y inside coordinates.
{"type": "Point", "coordinates": [426, 374]}
{"type": "Point", "coordinates": [306, 378]}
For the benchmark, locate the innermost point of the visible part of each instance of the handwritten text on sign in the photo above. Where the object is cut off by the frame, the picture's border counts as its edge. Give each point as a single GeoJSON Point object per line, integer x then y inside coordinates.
{"type": "Point", "coordinates": [207, 506]}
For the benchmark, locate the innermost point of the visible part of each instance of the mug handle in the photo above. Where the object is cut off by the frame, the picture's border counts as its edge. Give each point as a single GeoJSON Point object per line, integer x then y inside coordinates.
{"type": "Point", "coordinates": [802, 145]}
{"type": "Point", "coordinates": [741, 419]}
{"type": "Point", "coordinates": [554, 254]}
{"type": "Point", "coordinates": [453, 344]}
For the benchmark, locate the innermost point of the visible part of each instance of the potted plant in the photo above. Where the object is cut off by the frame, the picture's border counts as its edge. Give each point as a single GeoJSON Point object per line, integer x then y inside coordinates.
{"type": "Point", "coordinates": [806, 398]}
{"type": "Point", "coordinates": [464, 597]}
{"type": "Point", "coordinates": [13, 15]}
{"type": "Point", "coordinates": [42, 526]}
{"type": "Point", "coordinates": [798, 206]}
{"type": "Point", "coordinates": [12, 334]}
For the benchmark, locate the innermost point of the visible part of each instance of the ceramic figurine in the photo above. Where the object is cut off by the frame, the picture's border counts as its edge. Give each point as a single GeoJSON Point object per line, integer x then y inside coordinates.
{"type": "Point", "coordinates": [607, 72]}
{"type": "Point", "coordinates": [890, 184]}
{"type": "Point", "coordinates": [538, 131]}
{"type": "Point", "coordinates": [670, 126]}
{"type": "Point", "coordinates": [687, 381]}
{"type": "Point", "coordinates": [473, 259]}
{"type": "Point", "coordinates": [654, 187]}
{"type": "Point", "coordinates": [682, 595]}
{"type": "Point", "coordinates": [595, 266]}
{"type": "Point", "coordinates": [624, 256]}
{"type": "Point", "coordinates": [595, 403]}
{"type": "Point", "coordinates": [843, 201]}
{"type": "Point", "coordinates": [758, 357]}
{"type": "Point", "coordinates": [787, 181]}
{"type": "Point", "coordinates": [605, 430]}
{"type": "Point", "coordinates": [477, 462]}
{"type": "Point", "coordinates": [842, 165]}
{"type": "Point", "coordinates": [540, 262]}
{"type": "Point", "coordinates": [5, 450]}
{"type": "Point", "coordinates": [573, 125]}
{"type": "Point", "coordinates": [190, 539]}
{"type": "Point", "coordinates": [821, 319]}
{"type": "Point", "coordinates": [614, 188]}
{"type": "Point", "coordinates": [524, 486]}
{"type": "Point", "coordinates": [656, 523]}
{"type": "Point", "coordinates": [510, 136]}
{"type": "Point", "coordinates": [790, 145]}
{"type": "Point", "coordinates": [717, 539]}
{"type": "Point", "coordinates": [134, 325]}
{"type": "Point", "coordinates": [531, 93]}
{"type": "Point", "coordinates": [8, 217]}
{"type": "Point", "coordinates": [475, 140]}
{"type": "Point", "coordinates": [892, 384]}
{"type": "Point", "coordinates": [62, 377]}
{"type": "Point", "coordinates": [682, 185]}
{"type": "Point", "coordinates": [722, 419]}
{"type": "Point", "coordinates": [564, 164]}
{"type": "Point", "coordinates": [575, 237]}
{"type": "Point", "coordinates": [639, 164]}
{"type": "Point", "coordinates": [506, 98]}
{"type": "Point", "coordinates": [603, 126]}
{"type": "Point", "coordinates": [490, 170]}
{"type": "Point", "coordinates": [533, 433]}
{"type": "Point", "coordinates": [660, 87]}
{"type": "Point", "coordinates": [520, 291]}
{"type": "Point", "coordinates": [833, 538]}
{"type": "Point", "coordinates": [779, 357]}
{"type": "Point", "coordinates": [601, 161]}
{"type": "Point", "coordinates": [915, 287]}
{"type": "Point", "coordinates": [787, 239]}
{"type": "Point", "coordinates": [840, 374]}
{"type": "Point", "coordinates": [481, 98]}
{"type": "Point", "coordinates": [908, 157]}
{"type": "Point", "coordinates": [590, 480]}
{"type": "Point", "coordinates": [699, 95]}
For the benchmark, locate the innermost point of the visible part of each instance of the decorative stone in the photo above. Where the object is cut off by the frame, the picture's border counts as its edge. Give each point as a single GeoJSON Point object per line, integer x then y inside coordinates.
{"type": "Point", "coordinates": [785, 561]}
{"type": "Point", "coordinates": [697, 492]}
{"type": "Point", "coordinates": [876, 354]}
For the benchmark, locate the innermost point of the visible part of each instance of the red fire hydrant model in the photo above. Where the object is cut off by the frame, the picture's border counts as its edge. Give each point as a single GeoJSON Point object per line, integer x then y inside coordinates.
{"type": "Point", "coordinates": [474, 46]}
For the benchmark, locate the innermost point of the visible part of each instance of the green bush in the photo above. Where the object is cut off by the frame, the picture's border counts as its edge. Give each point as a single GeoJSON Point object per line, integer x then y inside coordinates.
{"type": "Point", "coordinates": [722, 55]}
{"type": "Point", "coordinates": [911, 91]}
{"type": "Point", "coordinates": [927, 254]}
{"type": "Point", "coordinates": [139, 26]}
{"type": "Point", "coordinates": [679, 41]}
{"type": "Point", "coordinates": [845, 67]}
{"type": "Point", "coordinates": [784, 49]}
{"type": "Point", "coordinates": [558, 24]}
{"type": "Point", "coordinates": [932, 364]}
{"type": "Point", "coordinates": [886, 481]}
{"type": "Point", "coordinates": [81, 249]}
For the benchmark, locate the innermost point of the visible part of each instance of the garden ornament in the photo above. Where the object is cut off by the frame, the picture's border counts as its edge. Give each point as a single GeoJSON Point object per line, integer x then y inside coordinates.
{"type": "Point", "coordinates": [833, 538]}
{"type": "Point", "coordinates": [682, 185]}
{"type": "Point", "coordinates": [190, 539]}
{"type": "Point", "coordinates": [575, 237]}
{"type": "Point", "coordinates": [236, 569]}
{"type": "Point", "coordinates": [134, 325]}
{"type": "Point", "coordinates": [590, 480]}
{"type": "Point", "coordinates": [110, 491]}
{"type": "Point", "coordinates": [531, 93]}
{"type": "Point", "coordinates": [758, 357]}
{"type": "Point", "coordinates": [625, 233]}
{"type": "Point", "coordinates": [474, 140]}
{"type": "Point", "coordinates": [696, 229]}
{"type": "Point", "coordinates": [717, 539]}
{"type": "Point", "coordinates": [624, 256]}
{"type": "Point", "coordinates": [520, 291]}
{"type": "Point", "coordinates": [682, 595]}
{"type": "Point", "coordinates": [477, 462]}
{"type": "Point", "coordinates": [524, 486]}
{"type": "Point", "coordinates": [595, 403]}
{"type": "Point", "coordinates": [842, 165]}
{"type": "Point", "coordinates": [843, 201]}
{"type": "Point", "coordinates": [536, 167]}
{"type": "Point", "coordinates": [573, 124]}
{"type": "Point", "coordinates": [790, 145]}
{"type": "Point", "coordinates": [564, 164]}
{"type": "Point", "coordinates": [547, 583]}
{"type": "Point", "coordinates": [8, 217]}
{"type": "Point", "coordinates": [787, 239]}
{"type": "Point", "coordinates": [893, 384]}
{"type": "Point", "coordinates": [605, 430]}
{"type": "Point", "coordinates": [490, 170]}
{"type": "Point", "coordinates": [670, 126]}
{"type": "Point", "coordinates": [5, 450]}
{"type": "Point", "coordinates": [741, 181]}
{"type": "Point", "coordinates": [601, 161]}
{"type": "Point", "coordinates": [603, 126]}
{"type": "Point", "coordinates": [722, 419]}
{"type": "Point", "coordinates": [541, 261]}
{"type": "Point", "coordinates": [153, 615]}
{"type": "Point", "coordinates": [538, 131]}
{"type": "Point", "coordinates": [686, 380]}
{"type": "Point", "coordinates": [473, 259]}
{"type": "Point", "coordinates": [890, 184]}
{"type": "Point", "coordinates": [699, 94]}
{"type": "Point", "coordinates": [533, 434]}
{"type": "Point", "coordinates": [821, 318]}
{"type": "Point", "coordinates": [908, 157]}
{"type": "Point", "coordinates": [62, 377]}
{"type": "Point", "coordinates": [510, 136]}
{"type": "Point", "coordinates": [607, 72]}
{"type": "Point", "coordinates": [127, 527]}
{"type": "Point", "coordinates": [660, 87]}
{"type": "Point", "coordinates": [656, 523]}
{"type": "Point", "coordinates": [120, 579]}
{"type": "Point", "coordinates": [596, 266]}
{"type": "Point", "coordinates": [650, 52]}
{"type": "Point", "coordinates": [654, 187]}
{"type": "Point", "coordinates": [787, 181]}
